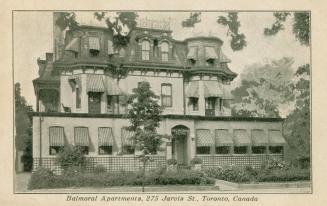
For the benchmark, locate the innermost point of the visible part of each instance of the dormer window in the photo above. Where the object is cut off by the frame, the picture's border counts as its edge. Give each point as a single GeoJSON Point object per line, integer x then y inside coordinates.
{"type": "Point", "coordinates": [164, 51]}
{"type": "Point", "coordinates": [145, 51]}
{"type": "Point", "coordinates": [192, 55]}
{"type": "Point", "coordinates": [94, 46]}
{"type": "Point", "coordinates": [210, 55]}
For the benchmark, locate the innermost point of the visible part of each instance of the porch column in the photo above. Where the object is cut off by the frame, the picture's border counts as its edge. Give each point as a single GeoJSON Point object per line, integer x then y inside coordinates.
{"type": "Point", "coordinates": [169, 151]}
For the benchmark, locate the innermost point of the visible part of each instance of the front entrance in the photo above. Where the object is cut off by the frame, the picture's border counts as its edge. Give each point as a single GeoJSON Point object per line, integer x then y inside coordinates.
{"type": "Point", "coordinates": [180, 135]}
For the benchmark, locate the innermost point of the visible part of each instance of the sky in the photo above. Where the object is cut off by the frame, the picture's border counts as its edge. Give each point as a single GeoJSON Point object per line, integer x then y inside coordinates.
{"type": "Point", "coordinates": [33, 38]}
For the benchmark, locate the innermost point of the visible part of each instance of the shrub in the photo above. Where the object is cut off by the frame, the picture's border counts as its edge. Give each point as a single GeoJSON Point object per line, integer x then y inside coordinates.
{"type": "Point", "coordinates": [71, 156]}
{"type": "Point", "coordinates": [196, 160]}
{"type": "Point", "coordinates": [99, 169]}
{"type": "Point", "coordinates": [275, 164]}
{"type": "Point", "coordinates": [41, 178]}
{"type": "Point", "coordinates": [172, 162]}
{"type": "Point", "coordinates": [284, 175]}
{"type": "Point", "coordinates": [232, 174]}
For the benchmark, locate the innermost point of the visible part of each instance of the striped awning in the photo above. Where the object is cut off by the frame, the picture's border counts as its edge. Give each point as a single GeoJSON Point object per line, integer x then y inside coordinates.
{"type": "Point", "coordinates": [241, 138]}
{"type": "Point", "coordinates": [105, 136]}
{"type": "Point", "coordinates": [112, 87]}
{"type": "Point", "coordinates": [127, 136]}
{"type": "Point", "coordinates": [223, 58]}
{"type": "Point", "coordinates": [204, 138]}
{"type": "Point", "coordinates": [56, 136]}
{"type": "Point", "coordinates": [210, 53]}
{"type": "Point", "coordinates": [95, 83]}
{"type": "Point", "coordinates": [81, 136]}
{"type": "Point", "coordinates": [223, 138]}
{"type": "Point", "coordinates": [94, 43]}
{"type": "Point", "coordinates": [259, 137]}
{"type": "Point", "coordinates": [276, 138]}
{"type": "Point", "coordinates": [212, 89]}
{"type": "Point", "coordinates": [192, 53]}
{"type": "Point", "coordinates": [192, 89]}
{"type": "Point", "coordinates": [73, 45]}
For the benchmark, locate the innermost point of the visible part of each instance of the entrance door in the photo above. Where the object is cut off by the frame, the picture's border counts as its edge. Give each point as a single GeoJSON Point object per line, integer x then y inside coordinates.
{"type": "Point", "coordinates": [179, 149]}
{"type": "Point", "coordinates": [94, 102]}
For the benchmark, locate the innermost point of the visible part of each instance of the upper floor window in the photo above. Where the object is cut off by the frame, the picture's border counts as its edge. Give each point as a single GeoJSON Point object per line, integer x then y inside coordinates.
{"type": "Point", "coordinates": [94, 46]}
{"type": "Point", "coordinates": [166, 95]}
{"type": "Point", "coordinates": [145, 50]}
{"type": "Point", "coordinates": [164, 51]}
{"type": "Point", "coordinates": [78, 97]}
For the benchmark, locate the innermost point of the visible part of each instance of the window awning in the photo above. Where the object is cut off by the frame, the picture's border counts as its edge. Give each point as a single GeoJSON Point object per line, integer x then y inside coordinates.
{"type": "Point", "coordinates": [192, 89]}
{"type": "Point", "coordinates": [259, 138]}
{"type": "Point", "coordinates": [81, 136]}
{"type": "Point", "coordinates": [204, 138]}
{"type": "Point", "coordinates": [210, 53]}
{"type": "Point", "coordinates": [223, 58]}
{"type": "Point", "coordinates": [56, 136]}
{"type": "Point", "coordinates": [105, 136]}
{"type": "Point", "coordinates": [241, 138]}
{"type": "Point", "coordinates": [192, 53]}
{"type": "Point", "coordinates": [212, 89]}
{"type": "Point", "coordinates": [95, 83]}
{"type": "Point", "coordinates": [223, 138]}
{"type": "Point", "coordinates": [73, 45]}
{"type": "Point", "coordinates": [127, 136]}
{"type": "Point", "coordinates": [94, 43]}
{"type": "Point", "coordinates": [112, 87]}
{"type": "Point", "coordinates": [276, 138]}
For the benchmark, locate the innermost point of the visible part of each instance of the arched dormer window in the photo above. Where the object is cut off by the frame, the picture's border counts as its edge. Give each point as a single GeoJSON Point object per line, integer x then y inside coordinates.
{"type": "Point", "coordinates": [164, 51]}
{"type": "Point", "coordinates": [145, 50]}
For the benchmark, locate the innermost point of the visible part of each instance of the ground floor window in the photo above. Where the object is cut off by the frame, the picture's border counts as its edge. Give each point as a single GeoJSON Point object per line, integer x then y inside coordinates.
{"type": "Point", "coordinates": [258, 149]}
{"type": "Point", "coordinates": [240, 150]}
{"type": "Point", "coordinates": [203, 150]}
{"type": "Point", "coordinates": [128, 149]}
{"type": "Point", "coordinates": [105, 150]}
{"type": "Point", "coordinates": [276, 149]}
{"type": "Point", "coordinates": [55, 149]}
{"type": "Point", "coordinates": [84, 149]}
{"type": "Point", "coordinates": [222, 150]}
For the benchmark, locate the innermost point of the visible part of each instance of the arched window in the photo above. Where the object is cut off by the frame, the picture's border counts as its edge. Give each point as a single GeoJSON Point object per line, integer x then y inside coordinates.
{"type": "Point", "coordinates": [164, 51]}
{"type": "Point", "coordinates": [166, 95]}
{"type": "Point", "coordinates": [145, 50]}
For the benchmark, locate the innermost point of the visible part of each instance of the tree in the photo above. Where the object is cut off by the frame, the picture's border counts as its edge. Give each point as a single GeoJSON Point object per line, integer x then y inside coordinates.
{"type": "Point", "coordinates": [297, 124]}
{"type": "Point", "coordinates": [192, 20]}
{"type": "Point", "coordinates": [144, 115]}
{"type": "Point", "coordinates": [265, 90]}
{"type": "Point", "coordinates": [23, 126]}
{"type": "Point", "coordinates": [237, 41]}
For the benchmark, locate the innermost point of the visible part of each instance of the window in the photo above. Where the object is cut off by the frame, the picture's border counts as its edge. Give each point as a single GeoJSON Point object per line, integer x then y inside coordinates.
{"type": "Point", "coordinates": [240, 150]}
{"type": "Point", "coordinates": [155, 48]}
{"type": "Point", "coordinates": [145, 50]}
{"type": "Point", "coordinates": [164, 51]}
{"type": "Point", "coordinates": [166, 95]}
{"type": "Point", "coordinates": [258, 149]}
{"type": "Point", "coordinates": [203, 150]}
{"type": "Point", "coordinates": [84, 149]}
{"type": "Point", "coordinates": [222, 149]}
{"type": "Point", "coordinates": [210, 103]}
{"type": "Point", "coordinates": [210, 62]}
{"type": "Point", "coordinates": [105, 150]}
{"type": "Point", "coordinates": [220, 104]}
{"type": "Point", "coordinates": [55, 149]}
{"type": "Point", "coordinates": [195, 103]}
{"type": "Point", "coordinates": [276, 149]}
{"type": "Point", "coordinates": [78, 97]}
{"type": "Point", "coordinates": [128, 149]}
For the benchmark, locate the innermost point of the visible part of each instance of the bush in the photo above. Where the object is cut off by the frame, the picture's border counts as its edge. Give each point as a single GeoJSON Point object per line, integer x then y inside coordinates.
{"type": "Point", "coordinates": [172, 162]}
{"type": "Point", "coordinates": [71, 178]}
{"type": "Point", "coordinates": [196, 160]}
{"type": "Point", "coordinates": [41, 178]}
{"type": "Point", "coordinates": [284, 175]}
{"type": "Point", "coordinates": [99, 169]}
{"type": "Point", "coordinates": [275, 164]}
{"type": "Point", "coordinates": [71, 156]}
{"type": "Point", "coordinates": [232, 174]}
